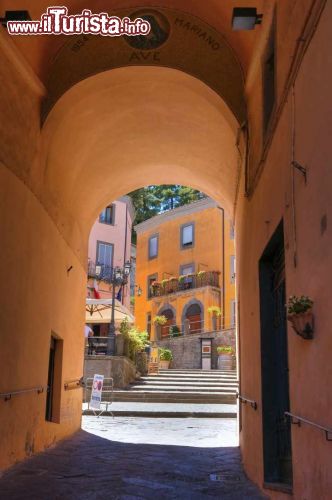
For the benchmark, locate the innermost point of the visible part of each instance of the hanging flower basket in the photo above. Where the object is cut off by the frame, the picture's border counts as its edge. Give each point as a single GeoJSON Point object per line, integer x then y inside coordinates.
{"type": "Point", "coordinates": [303, 324]}
{"type": "Point", "coordinates": [300, 316]}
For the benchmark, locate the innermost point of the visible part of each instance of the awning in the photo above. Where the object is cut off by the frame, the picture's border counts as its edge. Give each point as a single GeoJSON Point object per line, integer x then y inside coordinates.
{"type": "Point", "coordinates": [100, 311]}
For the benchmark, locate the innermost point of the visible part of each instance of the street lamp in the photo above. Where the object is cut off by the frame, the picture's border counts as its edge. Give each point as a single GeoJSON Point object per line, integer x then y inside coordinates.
{"type": "Point", "coordinates": [118, 277]}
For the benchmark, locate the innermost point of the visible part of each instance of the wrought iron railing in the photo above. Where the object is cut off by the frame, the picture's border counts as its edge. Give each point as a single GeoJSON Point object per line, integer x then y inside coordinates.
{"type": "Point", "coordinates": [188, 282]}
{"type": "Point", "coordinates": [100, 271]}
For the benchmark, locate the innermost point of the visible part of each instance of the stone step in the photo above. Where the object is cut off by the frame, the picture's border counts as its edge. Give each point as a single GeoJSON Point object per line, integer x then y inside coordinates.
{"type": "Point", "coordinates": [179, 388]}
{"type": "Point", "coordinates": [183, 376]}
{"type": "Point", "coordinates": [168, 410]}
{"type": "Point", "coordinates": [202, 372]}
{"type": "Point", "coordinates": [176, 381]}
{"type": "Point", "coordinates": [175, 397]}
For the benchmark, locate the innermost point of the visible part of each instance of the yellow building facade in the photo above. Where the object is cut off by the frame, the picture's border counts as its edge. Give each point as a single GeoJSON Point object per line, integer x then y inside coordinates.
{"type": "Point", "coordinates": [185, 265]}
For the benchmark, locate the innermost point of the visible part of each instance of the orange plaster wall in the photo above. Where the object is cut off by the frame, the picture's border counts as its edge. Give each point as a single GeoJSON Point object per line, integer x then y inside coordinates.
{"type": "Point", "coordinates": [38, 297]}
{"type": "Point", "coordinates": [310, 368]}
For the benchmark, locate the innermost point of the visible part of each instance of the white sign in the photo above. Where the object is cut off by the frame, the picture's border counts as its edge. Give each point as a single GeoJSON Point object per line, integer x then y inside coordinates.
{"type": "Point", "coordinates": [96, 392]}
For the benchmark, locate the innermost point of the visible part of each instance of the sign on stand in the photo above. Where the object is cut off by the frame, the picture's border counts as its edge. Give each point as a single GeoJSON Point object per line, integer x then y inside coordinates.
{"type": "Point", "coordinates": [96, 392]}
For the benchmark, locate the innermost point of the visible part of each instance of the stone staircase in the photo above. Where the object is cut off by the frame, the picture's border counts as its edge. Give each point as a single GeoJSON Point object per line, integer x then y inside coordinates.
{"type": "Point", "coordinates": [182, 386]}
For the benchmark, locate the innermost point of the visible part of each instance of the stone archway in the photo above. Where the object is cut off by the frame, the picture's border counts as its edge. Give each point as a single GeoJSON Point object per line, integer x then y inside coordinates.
{"type": "Point", "coordinates": [193, 316]}
{"type": "Point", "coordinates": [169, 312]}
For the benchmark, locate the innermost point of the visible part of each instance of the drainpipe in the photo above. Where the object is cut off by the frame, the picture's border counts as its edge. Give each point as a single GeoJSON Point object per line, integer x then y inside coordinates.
{"type": "Point", "coordinates": [223, 267]}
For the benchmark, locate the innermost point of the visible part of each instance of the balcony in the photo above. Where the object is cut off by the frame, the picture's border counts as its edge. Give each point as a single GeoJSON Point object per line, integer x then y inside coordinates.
{"type": "Point", "coordinates": [100, 272]}
{"type": "Point", "coordinates": [187, 282]}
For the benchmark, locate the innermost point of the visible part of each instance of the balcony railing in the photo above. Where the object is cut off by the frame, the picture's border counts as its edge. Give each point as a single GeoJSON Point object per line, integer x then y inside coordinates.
{"type": "Point", "coordinates": [100, 271]}
{"type": "Point", "coordinates": [188, 282]}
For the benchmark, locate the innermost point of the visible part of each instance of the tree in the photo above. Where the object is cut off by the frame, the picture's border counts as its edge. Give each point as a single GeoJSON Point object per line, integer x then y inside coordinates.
{"type": "Point", "coordinates": [152, 200]}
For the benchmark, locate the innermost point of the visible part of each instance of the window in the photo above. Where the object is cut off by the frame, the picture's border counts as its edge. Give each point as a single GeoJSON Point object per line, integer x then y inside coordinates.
{"type": "Point", "coordinates": [151, 279]}
{"type": "Point", "coordinates": [153, 246]}
{"type": "Point", "coordinates": [186, 269]}
{"type": "Point", "coordinates": [187, 235]}
{"type": "Point", "coordinates": [107, 216]}
{"type": "Point", "coordinates": [104, 254]}
{"type": "Point", "coordinates": [53, 396]}
{"type": "Point", "coordinates": [269, 79]}
{"type": "Point", "coordinates": [232, 270]}
{"type": "Point", "coordinates": [148, 323]}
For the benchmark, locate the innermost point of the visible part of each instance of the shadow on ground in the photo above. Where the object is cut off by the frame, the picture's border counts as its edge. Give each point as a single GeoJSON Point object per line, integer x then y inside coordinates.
{"type": "Point", "coordinates": [89, 467]}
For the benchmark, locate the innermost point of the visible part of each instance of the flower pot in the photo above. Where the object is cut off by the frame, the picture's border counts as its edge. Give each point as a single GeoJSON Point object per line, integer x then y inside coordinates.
{"type": "Point", "coordinates": [303, 324]}
{"type": "Point", "coordinates": [225, 361]}
{"type": "Point", "coordinates": [164, 365]}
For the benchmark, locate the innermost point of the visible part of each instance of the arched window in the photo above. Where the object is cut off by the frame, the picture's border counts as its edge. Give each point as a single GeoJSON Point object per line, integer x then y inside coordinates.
{"type": "Point", "coordinates": [194, 316]}
{"type": "Point", "coordinates": [169, 314]}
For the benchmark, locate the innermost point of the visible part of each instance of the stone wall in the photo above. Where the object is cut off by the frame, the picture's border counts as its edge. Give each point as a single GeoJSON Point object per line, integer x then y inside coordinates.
{"type": "Point", "coordinates": [120, 368]}
{"type": "Point", "coordinates": [186, 350]}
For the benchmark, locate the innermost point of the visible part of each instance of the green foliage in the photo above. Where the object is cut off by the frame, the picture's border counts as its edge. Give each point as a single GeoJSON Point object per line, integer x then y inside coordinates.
{"type": "Point", "coordinates": [182, 278]}
{"type": "Point", "coordinates": [214, 310]}
{"type": "Point", "coordinates": [174, 331]}
{"type": "Point", "coordinates": [152, 200]}
{"type": "Point", "coordinates": [225, 349]}
{"type": "Point", "coordinates": [165, 354]}
{"type": "Point", "coordinates": [160, 320]}
{"type": "Point", "coordinates": [135, 340]}
{"type": "Point", "coordinates": [297, 305]}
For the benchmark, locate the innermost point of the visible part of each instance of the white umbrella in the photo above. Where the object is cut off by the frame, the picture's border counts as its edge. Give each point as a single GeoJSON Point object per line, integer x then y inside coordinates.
{"type": "Point", "coordinates": [100, 311]}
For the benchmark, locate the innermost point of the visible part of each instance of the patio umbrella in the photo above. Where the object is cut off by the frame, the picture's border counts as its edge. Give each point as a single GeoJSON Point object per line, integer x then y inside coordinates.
{"type": "Point", "coordinates": [100, 311]}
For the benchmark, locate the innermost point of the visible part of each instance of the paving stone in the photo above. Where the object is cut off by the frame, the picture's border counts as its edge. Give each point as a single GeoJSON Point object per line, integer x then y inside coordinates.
{"type": "Point", "coordinates": [132, 458]}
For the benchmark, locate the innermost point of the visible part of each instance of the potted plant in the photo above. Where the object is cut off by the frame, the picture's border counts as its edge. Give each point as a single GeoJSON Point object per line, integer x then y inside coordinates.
{"type": "Point", "coordinates": [173, 284]}
{"type": "Point", "coordinates": [174, 331]}
{"type": "Point", "coordinates": [216, 313]}
{"type": "Point", "coordinates": [165, 357]}
{"type": "Point", "coordinates": [159, 321]}
{"type": "Point", "coordinates": [225, 357]}
{"type": "Point", "coordinates": [300, 315]}
{"type": "Point", "coordinates": [200, 277]}
{"type": "Point", "coordinates": [181, 282]}
{"type": "Point", "coordinates": [155, 288]}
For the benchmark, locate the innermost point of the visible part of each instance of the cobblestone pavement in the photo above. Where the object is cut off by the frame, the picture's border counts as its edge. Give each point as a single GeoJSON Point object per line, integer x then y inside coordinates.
{"type": "Point", "coordinates": [136, 458]}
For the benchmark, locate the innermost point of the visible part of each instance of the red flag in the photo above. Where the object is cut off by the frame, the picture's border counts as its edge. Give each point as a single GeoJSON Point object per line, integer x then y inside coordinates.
{"type": "Point", "coordinates": [96, 293]}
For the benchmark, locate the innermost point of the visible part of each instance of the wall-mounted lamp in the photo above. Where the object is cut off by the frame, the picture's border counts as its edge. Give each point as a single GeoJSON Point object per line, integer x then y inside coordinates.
{"type": "Point", "coordinates": [245, 18]}
{"type": "Point", "coordinates": [15, 15]}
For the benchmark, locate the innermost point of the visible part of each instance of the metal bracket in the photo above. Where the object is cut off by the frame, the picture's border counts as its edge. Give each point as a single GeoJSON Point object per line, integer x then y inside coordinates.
{"type": "Point", "coordinates": [328, 435]}
{"type": "Point", "coordinates": [301, 169]}
{"type": "Point", "coordinates": [295, 422]}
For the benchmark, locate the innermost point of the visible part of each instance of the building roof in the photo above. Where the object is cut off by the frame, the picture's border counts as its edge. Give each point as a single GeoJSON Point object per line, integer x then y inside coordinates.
{"type": "Point", "coordinates": [196, 206]}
